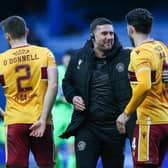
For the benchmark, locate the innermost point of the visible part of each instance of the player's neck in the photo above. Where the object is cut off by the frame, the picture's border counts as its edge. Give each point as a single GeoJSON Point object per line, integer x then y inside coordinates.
{"type": "Point", "coordinates": [18, 43]}
{"type": "Point", "coordinates": [142, 38]}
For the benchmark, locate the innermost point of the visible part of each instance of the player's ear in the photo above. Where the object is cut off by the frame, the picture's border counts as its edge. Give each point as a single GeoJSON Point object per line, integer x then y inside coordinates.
{"type": "Point", "coordinates": [26, 31]}
{"type": "Point", "coordinates": [8, 36]}
{"type": "Point", "coordinates": [131, 29]}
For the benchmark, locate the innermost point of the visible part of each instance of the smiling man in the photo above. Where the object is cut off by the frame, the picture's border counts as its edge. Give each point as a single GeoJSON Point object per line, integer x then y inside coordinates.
{"type": "Point", "coordinates": [96, 83]}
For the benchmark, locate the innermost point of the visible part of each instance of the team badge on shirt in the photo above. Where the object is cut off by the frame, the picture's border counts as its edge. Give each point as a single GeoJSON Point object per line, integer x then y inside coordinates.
{"type": "Point", "coordinates": [120, 67]}
{"type": "Point", "coordinates": [81, 145]}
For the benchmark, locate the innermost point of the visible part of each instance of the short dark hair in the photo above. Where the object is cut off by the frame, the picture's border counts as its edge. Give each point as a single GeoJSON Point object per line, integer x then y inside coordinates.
{"type": "Point", "coordinates": [15, 26]}
{"type": "Point", "coordinates": [141, 19]}
{"type": "Point", "coordinates": [99, 21]}
{"type": "Point", "coordinates": [69, 52]}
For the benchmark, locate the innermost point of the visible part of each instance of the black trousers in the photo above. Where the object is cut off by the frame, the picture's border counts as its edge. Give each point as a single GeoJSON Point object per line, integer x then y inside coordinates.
{"type": "Point", "coordinates": [90, 146]}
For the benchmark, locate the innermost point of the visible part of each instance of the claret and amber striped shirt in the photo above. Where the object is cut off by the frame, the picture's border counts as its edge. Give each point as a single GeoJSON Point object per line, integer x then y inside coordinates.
{"type": "Point", "coordinates": [150, 93]}
{"type": "Point", "coordinates": [23, 75]}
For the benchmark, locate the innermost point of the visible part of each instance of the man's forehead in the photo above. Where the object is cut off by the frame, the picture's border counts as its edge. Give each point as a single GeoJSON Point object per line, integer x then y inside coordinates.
{"type": "Point", "coordinates": [105, 27]}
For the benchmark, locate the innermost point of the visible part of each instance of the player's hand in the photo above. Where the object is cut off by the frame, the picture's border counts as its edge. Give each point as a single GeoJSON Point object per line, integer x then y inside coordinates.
{"type": "Point", "coordinates": [121, 122]}
{"type": "Point", "coordinates": [38, 128]}
{"type": "Point", "coordinates": [78, 103]}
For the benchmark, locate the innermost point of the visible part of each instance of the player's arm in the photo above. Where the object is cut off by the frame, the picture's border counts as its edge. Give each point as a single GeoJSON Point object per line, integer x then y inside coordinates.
{"type": "Point", "coordinates": [139, 93]}
{"type": "Point", "coordinates": [50, 93]}
{"type": "Point", "coordinates": [38, 127]}
{"type": "Point", "coordinates": [138, 96]}
{"type": "Point", "coordinates": [141, 63]}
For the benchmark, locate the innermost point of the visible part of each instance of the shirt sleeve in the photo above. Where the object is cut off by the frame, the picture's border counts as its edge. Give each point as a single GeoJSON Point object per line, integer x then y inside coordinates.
{"type": "Point", "coordinates": [51, 59]}
{"type": "Point", "coordinates": [141, 64]}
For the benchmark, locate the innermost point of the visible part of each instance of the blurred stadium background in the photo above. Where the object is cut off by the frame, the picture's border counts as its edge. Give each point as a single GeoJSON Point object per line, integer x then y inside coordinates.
{"type": "Point", "coordinates": [64, 24]}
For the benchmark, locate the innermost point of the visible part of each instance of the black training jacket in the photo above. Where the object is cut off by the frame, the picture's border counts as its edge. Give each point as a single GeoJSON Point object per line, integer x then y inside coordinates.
{"type": "Point", "coordinates": [78, 74]}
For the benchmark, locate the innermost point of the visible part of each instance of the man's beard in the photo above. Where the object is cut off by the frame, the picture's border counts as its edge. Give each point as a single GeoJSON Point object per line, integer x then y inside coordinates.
{"type": "Point", "coordinates": [132, 41]}
{"type": "Point", "coordinates": [106, 49]}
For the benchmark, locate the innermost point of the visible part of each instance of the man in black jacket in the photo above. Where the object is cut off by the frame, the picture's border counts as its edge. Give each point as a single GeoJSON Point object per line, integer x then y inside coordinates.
{"type": "Point", "coordinates": [96, 83]}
